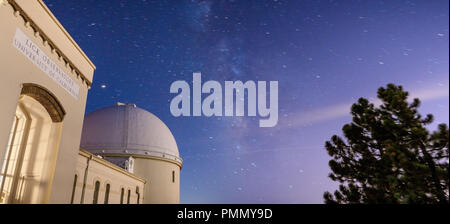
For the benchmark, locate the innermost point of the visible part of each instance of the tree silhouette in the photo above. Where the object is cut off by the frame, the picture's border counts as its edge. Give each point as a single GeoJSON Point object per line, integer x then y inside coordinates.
{"type": "Point", "coordinates": [389, 156]}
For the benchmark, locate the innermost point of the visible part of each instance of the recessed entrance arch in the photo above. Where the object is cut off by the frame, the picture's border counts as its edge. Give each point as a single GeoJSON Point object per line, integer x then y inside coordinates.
{"type": "Point", "coordinates": [29, 162]}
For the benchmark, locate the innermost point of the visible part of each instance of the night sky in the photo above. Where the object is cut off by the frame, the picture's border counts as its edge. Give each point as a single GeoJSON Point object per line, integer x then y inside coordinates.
{"type": "Point", "coordinates": [324, 54]}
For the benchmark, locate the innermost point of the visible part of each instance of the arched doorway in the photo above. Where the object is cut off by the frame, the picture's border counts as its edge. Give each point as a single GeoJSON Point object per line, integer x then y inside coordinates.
{"type": "Point", "coordinates": [29, 162]}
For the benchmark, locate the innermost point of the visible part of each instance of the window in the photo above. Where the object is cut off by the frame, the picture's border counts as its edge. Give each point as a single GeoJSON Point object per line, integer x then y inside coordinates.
{"type": "Point", "coordinates": [74, 188]}
{"type": "Point", "coordinates": [107, 193]}
{"type": "Point", "coordinates": [138, 195]}
{"type": "Point", "coordinates": [122, 192]}
{"type": "Point", "coordinates": [96, 190]}
{"type": "Point", "coordinates": [173, 176]}
{"type": "Point", "coordinates": [128, 197]}
{"type": "Point", "coordinates": [38, 117]}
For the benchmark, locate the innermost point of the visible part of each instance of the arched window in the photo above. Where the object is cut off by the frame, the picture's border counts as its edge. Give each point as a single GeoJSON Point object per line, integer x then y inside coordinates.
{"type": "Point", "coordinates": [122, 192]}
{"type": "Point", "coordinates": [107, 193]}
{"type": "Point", "coordinates": [96, 191]}
{"type": "Point", "coordinates": [74, 188]}
{"type": "Point", "coordinates": [46, 99]}
{"type": "Point", "coordinates": [33, 143]}
{"type": "Point", "coordinates": [128, 196]}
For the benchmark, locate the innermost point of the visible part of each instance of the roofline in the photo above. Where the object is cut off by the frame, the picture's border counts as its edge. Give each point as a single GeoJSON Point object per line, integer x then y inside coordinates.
{"type": "Point", "coordinates": [84, 68]}
{"type": "Point", "coordinates": [66, 33]}
{"type": "Point", "coordinates": [180, 164]}
{"type": "Point", "coordinates": [110, 165]}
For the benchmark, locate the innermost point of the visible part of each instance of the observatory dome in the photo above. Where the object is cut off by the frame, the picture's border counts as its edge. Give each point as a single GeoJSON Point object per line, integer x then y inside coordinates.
{"type": "Point", "coordinates": [127, 130]}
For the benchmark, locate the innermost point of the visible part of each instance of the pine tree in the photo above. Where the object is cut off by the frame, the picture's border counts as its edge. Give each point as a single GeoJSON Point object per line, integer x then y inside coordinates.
{"type": "Point", "coordinates": [389, 156]}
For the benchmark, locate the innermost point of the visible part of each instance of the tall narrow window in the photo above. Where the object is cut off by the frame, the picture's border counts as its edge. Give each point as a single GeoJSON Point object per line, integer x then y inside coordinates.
{"type": "Point", "coordinates": [74, 188]}
{"type": "Point", "coordinates": [138, 195]}
{"type": "Point", "coordinates": [96, 190]}
{"type": "Point", "coordinates": [173, 176]}
{"type": "Point", "coordinates": [128, 196]}
{"type": "Point", "coordinates": [122, 192]}
{"type": "Point", "coordinates": [107, 193]}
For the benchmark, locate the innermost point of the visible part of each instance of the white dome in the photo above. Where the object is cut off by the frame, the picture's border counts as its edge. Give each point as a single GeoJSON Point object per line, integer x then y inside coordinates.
{"type": "Point", "coordinates": [125, 129]}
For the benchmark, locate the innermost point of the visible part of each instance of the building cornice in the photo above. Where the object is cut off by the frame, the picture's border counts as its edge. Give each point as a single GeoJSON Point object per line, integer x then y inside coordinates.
{"type": "Point", "coordinates": [95, 158]}
{"type": "Point", "coordinates": [19, 11]}
{"type": "Point", "coordinates": [178, 163]}
{"type": "Point", "coordinates": [66, 33]}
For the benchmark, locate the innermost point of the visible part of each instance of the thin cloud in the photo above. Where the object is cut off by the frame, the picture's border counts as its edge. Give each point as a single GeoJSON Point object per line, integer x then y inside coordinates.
{"type": "Point", "coordinates": [341, 110]}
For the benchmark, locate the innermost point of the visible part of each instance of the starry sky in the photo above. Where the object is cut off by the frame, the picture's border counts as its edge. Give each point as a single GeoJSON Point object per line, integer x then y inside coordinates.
{"type": "Point", "coordinates": [324, 54]}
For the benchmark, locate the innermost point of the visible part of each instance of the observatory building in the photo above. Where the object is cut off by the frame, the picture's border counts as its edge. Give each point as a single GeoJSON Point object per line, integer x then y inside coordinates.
{"type": "Point", "coordinates": [50, 152]}
{"type": "Point", "coordinates": [139, 142]}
